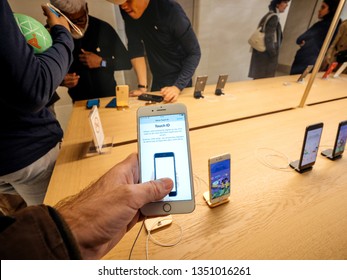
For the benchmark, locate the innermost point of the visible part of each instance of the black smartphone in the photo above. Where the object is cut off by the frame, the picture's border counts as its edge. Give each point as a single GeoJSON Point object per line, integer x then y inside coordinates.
{"type": "Point", "coordinates": [150, 97]}
{"type": "Point", "coordinates": [340, 143]}
{"type": "Point", "coordinates": [200, 86]}
{"type": "Point", "coordinates": [304, 74]}
{"type": "Point", "coordinates": [112, 103]}
{"type": "Point", "coordinates": [310, 147]}
{"type": "Point", "coordinates": [165, 166]}
{"type": "Point", "coordinates": [222, 79]}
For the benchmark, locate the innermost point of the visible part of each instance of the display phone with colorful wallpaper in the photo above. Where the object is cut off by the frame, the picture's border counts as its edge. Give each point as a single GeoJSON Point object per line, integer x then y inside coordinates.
{"type": "Point", "coordinates": [164, 151]}
{"type": "Point", "coordinates": [219, 180]}
{"type": "Point", "coordinates": [200, 86]}
{"type": "Point", "coordinates": [309, 149]}
{"type": "Point", "coordinates": [340, 143]}
{"type": "Point", "coordinates": [222, 79]}
{"type": "Point", "coordinates": [304, 74]}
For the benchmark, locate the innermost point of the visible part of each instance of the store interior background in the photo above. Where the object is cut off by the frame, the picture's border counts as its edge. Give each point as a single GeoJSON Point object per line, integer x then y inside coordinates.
{"type": "Point", "coordinates": [222, 27]}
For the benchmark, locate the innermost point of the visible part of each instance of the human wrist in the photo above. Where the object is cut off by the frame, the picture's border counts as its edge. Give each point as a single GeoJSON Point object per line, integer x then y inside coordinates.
{"type": "Point", "coordinates": [142, 86]}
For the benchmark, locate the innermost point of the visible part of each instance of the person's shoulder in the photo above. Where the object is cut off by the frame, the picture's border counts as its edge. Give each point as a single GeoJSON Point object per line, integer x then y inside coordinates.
{"type": "Point", "coordinates": [166, 7]}
{"type": "Point", "coordinates": [93, 19]}
{"type": "Point", "coordinates": [271, 16]}
{"type": "Point", "coordinates": [97, 21]}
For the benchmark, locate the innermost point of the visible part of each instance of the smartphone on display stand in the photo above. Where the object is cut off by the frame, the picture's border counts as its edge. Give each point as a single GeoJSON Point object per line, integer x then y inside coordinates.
{"type": "Point", "coordinates": [309, 150]}
{"type": "Point", "coordinates": [122, 95]}
{"type": "Point", "coordinates": [200, 86]}
{"type": "Point", "coordinates": [340, 70]}
{"type": "Point", "coordinates": [219, 180]}
{"type": "Point", "coordinates": [329, 70]}
{"type": "Point", "coordinates": [164, 151]}
{"type": "Point", "coordinates": [222, 79]}
{"type": "Point", "coordinates": [304, 74]}
{"type": "Point", "coordinates": [340, 143]}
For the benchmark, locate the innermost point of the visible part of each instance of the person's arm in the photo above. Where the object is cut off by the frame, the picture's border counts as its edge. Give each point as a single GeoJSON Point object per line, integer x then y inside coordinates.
{"type": "Point", "coordinates": [140, 68]}
{"type": "Point", "coordinates": [186, 37]}
{"type": "Point", "coordinates": [33, 78]}
{"type": "Point", "coordinates": [271, 36]}
{"type": "Point", "coordinates": [136, 53]}
{"type": "Point", "coordinates": [101, 214]}
{"type": "Point", "coordinates": [36, 232]}
{"type": "Point", "coordinates": [87, 225]}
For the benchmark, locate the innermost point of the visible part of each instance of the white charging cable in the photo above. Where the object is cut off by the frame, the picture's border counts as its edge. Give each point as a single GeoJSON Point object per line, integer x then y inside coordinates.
{"type": "Point", "coordinates": [155, 241]}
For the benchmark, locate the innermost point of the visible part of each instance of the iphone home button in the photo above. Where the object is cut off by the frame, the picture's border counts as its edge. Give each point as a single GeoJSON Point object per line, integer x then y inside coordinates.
{"type": "Point", "coordinates": [167, 207]}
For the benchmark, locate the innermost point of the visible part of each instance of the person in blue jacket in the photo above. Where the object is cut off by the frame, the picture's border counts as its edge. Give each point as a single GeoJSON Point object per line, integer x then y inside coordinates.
{"type": "Point", "coordinates": [162, 30]}
{"type": "Point", "coordinates": [29, 133]}
{"type": "Point", "coordinates": [311, 41]}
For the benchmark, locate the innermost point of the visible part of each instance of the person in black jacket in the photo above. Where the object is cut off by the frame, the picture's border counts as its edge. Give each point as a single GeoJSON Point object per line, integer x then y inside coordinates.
{"type": "Point", "coordinates": [29, 133]}
{"type": "Point", "coordinates": [98, 53]}
{"type": "Point", "coordinates": [311, 41]}
{"type": "Point", "coordinates": [162, 28]}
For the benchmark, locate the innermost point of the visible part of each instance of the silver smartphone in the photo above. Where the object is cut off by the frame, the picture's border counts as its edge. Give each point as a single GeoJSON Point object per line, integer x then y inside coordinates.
{"type": "Point", "coordinates": [164, 151]}
{"type": "Point", "coordinates": [340, 70]}
{"type": "Point", "coordinates": [219, 179]}
{"type": "Point", "coordinates": [340, 142]}
{"type": "Point", "coordinates": [222, 79]}
{"type": "Point", "coordinates": [310, 147]}
{"type": "Point", "coordinates": [200, 86]}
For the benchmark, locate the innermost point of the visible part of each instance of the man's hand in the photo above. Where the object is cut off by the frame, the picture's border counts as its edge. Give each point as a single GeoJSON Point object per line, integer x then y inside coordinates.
{"type": "Point", "coordinates": [70, 80]}
{"type": "Point", "coordinates": [89, 59]}
{"type": "Point", "coordinates": [101, 214]}
{"type": "Point", "coordinates": [52, 19]}
{"type": "Point", "coordinates": [170, 94]}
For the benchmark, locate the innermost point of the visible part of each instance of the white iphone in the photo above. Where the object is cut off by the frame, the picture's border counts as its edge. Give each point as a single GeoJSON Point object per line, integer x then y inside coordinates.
{"type": "Point", "coordinates": [164, 151]}
{"type": "Point", "coordinates": [219, 179]}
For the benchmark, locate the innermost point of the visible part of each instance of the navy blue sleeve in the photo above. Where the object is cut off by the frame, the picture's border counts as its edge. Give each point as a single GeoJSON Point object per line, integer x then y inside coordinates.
{"type": "Point", "coordinates": [183, 31]}
{"type": "Point", "coordinates": [135, 44]}
{"type": "Point", "coordinates": [33, 79]}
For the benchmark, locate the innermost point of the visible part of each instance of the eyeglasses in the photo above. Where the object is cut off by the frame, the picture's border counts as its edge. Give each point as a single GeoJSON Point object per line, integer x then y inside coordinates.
{"type": "Point", "coordinates": [57, 11]}
{"type": "Point", "coordinates": [81, 20]}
